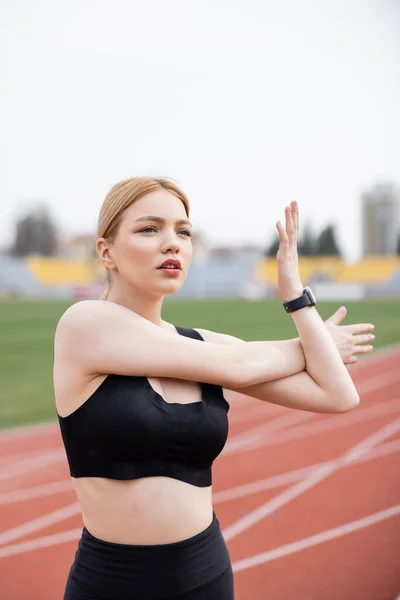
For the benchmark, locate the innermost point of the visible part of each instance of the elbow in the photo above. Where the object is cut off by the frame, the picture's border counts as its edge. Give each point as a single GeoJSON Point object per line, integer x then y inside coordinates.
{"type": "Point", "coordinates": [345, 403]}
{"type": "Point", "coordinates": [353, 402]}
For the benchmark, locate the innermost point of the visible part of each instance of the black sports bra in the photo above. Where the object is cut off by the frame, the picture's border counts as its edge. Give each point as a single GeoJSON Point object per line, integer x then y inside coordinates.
{"type": "Point", "coordinates": [126, 430]}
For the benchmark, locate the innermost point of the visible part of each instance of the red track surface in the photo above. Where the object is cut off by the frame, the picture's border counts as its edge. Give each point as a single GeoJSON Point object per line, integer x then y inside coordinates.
{"type": "Point", "coordinates": [309, 504]}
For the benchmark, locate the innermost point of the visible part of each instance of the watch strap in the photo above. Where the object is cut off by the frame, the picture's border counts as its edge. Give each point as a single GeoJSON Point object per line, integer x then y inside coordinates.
{"type": "Point", "coordinates": [306, 299]}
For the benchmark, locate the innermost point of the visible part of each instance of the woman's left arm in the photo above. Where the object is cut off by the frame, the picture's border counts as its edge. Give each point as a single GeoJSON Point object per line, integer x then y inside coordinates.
{"type": "Point", "coordinates": [295, 390]}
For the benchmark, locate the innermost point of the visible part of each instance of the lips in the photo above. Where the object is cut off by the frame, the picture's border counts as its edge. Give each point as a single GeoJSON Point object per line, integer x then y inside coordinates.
{"type": "Point", "coordinates": [171, 262]}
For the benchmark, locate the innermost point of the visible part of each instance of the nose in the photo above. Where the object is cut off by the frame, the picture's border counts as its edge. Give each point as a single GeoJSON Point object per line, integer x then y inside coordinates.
{"type": "Point", "coordinates": [171, 243]}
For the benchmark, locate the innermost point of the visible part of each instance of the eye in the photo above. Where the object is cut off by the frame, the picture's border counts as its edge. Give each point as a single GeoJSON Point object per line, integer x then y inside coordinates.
{"type": "Point", "coordinates": [150, 229]}
{"type": "Point", "coordinates": [147, 229]}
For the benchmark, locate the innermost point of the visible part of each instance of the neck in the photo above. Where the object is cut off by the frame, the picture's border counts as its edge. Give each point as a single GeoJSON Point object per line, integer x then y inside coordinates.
{"type": "Point", "coordinates": [147, 306]}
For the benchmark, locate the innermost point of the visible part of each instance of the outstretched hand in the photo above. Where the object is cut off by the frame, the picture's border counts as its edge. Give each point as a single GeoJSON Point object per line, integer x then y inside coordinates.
{"type": "Point", "coordinates": [289, 282]}
{"type": "Point", "coordinates": [350, 339]}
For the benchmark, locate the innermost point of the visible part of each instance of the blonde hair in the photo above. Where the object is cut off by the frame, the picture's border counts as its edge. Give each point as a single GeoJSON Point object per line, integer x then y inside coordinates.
{"type": "Point", "coordinates": [120, 197]}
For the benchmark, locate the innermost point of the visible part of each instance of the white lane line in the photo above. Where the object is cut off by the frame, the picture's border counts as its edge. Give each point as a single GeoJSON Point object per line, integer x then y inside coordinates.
{"type": "Point", "coordinates": [32, 464]}
{"type": "Point", "coordinates": [311, 480]}
{"type": "Point", "coordinates": [276, 424]}
{"type": "Point", "coordinates": [269, 483]}
{"type": "Point", "coordinates": [36, 524]}
{"type": "Point", "coordinates": [259, 412]}
{"type": "Point", "coordinates": [378, 382]}
{"type": "Point", "coordinates": [332, 422]}
{"type": "Point", "coordinates": [37, 491]}
{"type": "Point", "coordinates": [314, 540]}
{"type": "Point", "coordinates": [15, 458]}
{"type": "Point", "coordinates": [43, 542]}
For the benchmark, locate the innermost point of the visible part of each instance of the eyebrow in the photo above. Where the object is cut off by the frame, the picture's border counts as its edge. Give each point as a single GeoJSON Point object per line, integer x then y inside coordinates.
{"type": "Point", "coordinates": [161, 220]}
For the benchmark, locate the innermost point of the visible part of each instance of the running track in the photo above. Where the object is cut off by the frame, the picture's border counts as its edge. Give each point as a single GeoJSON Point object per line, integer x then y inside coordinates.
{"type": "Point", "coordinates": [309, 504]}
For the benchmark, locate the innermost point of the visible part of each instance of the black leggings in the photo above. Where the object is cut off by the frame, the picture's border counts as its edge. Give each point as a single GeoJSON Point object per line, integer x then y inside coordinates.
{"type": "Point", "coordinates": [198, 568]}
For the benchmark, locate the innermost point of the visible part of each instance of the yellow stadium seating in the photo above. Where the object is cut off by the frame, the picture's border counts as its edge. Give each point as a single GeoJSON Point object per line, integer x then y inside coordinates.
{"type": "Point", "coordinates": [369, 270]}
{"type": "Point", "coordinates": [54, 271]}
{"type": "Point", "coordinates": [309, 267]}
{"type": "Point", "coordinates": [57, 271]}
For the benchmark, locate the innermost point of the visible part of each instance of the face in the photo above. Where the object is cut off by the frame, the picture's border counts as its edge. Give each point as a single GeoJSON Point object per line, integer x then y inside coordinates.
{"type": "Point", "coordinates": [154, 229]}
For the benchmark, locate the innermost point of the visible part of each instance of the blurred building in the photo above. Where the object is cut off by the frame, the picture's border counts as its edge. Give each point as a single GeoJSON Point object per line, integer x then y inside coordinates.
{"type": "Point", "coordinates": [380, 220]}
{"type": "Point", "coordinates": [79, 247]}
{"type": "Point", "coordinates": [201, 248]}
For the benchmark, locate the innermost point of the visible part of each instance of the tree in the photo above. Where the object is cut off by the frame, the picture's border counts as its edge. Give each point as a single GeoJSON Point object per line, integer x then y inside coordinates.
{"type": "Point", "coordinates": [306, 245]}
{"type": "Point", "coordinates": [35, 233]}
{"type": "Point", "coordinates": [273, 248]}
{"type": "Point", "coordinates": [326, 244]}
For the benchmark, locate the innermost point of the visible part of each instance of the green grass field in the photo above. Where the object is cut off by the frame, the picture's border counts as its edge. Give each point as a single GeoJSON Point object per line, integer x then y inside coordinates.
{"type": "Point", "coordinates": [27, 330]}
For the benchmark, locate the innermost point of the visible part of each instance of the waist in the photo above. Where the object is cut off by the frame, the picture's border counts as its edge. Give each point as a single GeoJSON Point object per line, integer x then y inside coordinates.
{"type": "Point", "coordinates": [138, 551]}
{"type": "Point", "coordinates": [153, 510]}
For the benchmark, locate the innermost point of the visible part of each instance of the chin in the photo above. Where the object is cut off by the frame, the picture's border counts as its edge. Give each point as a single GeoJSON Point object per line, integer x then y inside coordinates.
{"type": "Point", "coordinates": [168, 287]}
{"type": "Point", "coordinates": [171, 287]}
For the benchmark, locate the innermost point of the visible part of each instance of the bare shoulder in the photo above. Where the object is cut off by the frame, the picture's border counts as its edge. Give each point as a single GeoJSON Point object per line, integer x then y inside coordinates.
{"type": "Point", "coordinates": [218, 338]}
{"type": "Point", "coordinates": [89, 324]}
{"type": "Point", "coordinates": [87, 317]}
{"type": "Point", "coordinates": [76, 313]}
{"type": "Point", "coordinates": [89, 311]}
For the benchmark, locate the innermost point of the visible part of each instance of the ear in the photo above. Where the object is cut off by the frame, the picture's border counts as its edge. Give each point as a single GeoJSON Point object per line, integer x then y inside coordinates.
{"type": "Point", "coordinates": [105, 253]}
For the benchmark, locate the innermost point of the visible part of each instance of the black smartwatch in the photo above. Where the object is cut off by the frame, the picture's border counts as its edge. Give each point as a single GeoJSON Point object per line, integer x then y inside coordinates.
{"type": "Point", "coordinates": [307, 299]}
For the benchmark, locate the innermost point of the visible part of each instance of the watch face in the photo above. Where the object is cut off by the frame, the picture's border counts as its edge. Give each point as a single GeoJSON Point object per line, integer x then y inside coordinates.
{"type": "Point", "coordinates": [310, 294]}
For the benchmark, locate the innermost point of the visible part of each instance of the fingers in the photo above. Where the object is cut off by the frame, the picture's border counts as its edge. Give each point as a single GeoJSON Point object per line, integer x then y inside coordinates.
{"type": "Point", "coordinates": [360, 337]}
{"type": "Point", "coordinates": [350, 360]}
{"type": "Point", "coordinates": [362, 349]}
{"type": "Point", "coordinates": [290, 233]}
{"type": "Point", "coordinates": [292, 222]}
{"type": "Point", "coordinates": [283, 238]}
{"type": "Point", "coordinates": [363, 339]}
{"type": "Point", "coordinates": [295, 215]}
{"type": "Point", "coordinates": [290, 228]}
{"type": "Point", "coordinates": [360, 327]}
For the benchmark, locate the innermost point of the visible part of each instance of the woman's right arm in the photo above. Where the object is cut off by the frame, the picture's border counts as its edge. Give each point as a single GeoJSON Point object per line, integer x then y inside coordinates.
{"type": "Point", "coordinates": [103, 337]}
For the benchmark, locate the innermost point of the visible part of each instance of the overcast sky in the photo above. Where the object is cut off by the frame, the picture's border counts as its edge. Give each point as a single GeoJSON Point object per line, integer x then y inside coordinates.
{"type": "Point", "coordinates": [248, 104]}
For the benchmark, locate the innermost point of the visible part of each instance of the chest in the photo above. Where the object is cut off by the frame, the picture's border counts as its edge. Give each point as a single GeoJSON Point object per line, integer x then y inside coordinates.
{"type": "Point", "coordinates": [176, 390]}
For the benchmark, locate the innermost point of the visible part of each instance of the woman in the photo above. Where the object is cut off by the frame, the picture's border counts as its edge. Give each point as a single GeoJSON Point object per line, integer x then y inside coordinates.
{"type": "Point", "coordinates": [140, 432]}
